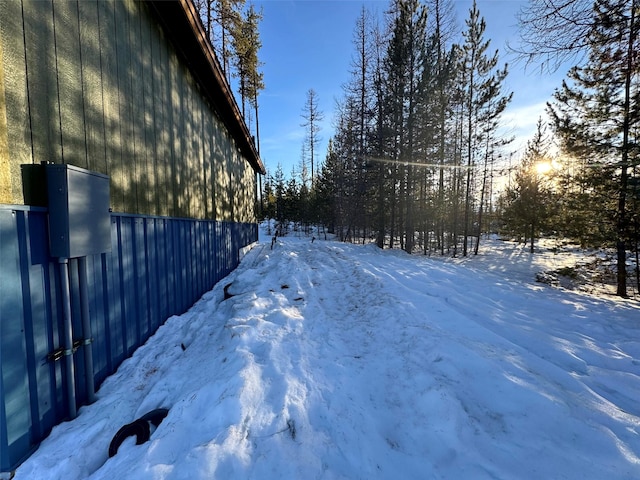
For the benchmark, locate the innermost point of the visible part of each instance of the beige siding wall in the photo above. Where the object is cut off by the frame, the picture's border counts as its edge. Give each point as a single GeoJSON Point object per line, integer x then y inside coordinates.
{"type": "Point", "coordinates": [6, 195]}
{"type": "Point", "coordinates": [98, 85]}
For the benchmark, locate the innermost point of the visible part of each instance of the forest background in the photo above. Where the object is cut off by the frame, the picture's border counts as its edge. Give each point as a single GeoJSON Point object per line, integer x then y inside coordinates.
{"type": "Point", "coordinates": [419, 136]}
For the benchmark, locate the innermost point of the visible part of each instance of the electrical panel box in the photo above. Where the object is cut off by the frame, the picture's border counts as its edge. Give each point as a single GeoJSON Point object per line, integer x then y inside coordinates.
{"type": "Point", "coordinates": [79, 215]}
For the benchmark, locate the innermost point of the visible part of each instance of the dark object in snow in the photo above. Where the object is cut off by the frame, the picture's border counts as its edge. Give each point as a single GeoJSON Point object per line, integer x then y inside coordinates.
{"type": "Point", "coordinates": [155, 416]}
{"type": "Point", "coordinates": [141, 428]}
{"type": "Point", "coordinates": [183, 347]}
{"type": "Point", "coordinates": [291, 426]}
{"type": "Point", "coordinates": [284, 286]}
{"type": "Point", "coordinates": [313, 239]}
{"type": "Point", "coordinates": [274, 240]}
{"type": "Point", "coordinates": [227, 295]}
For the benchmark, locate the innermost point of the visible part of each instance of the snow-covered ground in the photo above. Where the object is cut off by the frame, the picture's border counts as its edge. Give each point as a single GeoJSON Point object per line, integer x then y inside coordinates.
{"type": "Point", "coordinates": [339, 361]}
{"type": "Point", "coordinates": [555, 262]}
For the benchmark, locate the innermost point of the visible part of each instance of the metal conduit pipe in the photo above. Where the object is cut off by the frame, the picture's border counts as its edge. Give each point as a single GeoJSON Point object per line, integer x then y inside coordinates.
{"type": "Point", "coordinates": [86, 329]}
{"type": "Point", "coordinates": [68, 336]}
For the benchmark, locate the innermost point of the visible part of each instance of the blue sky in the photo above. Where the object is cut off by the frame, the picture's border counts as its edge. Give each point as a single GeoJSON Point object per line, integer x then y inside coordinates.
{"type": "Point", "coordinates": [308, 44]}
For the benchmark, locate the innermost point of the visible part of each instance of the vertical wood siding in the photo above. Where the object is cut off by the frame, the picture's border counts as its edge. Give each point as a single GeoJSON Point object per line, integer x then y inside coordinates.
{"type": "Point", "coordinates": [158, 267]}
{"type": "Point", "coordinates": [96, 84]}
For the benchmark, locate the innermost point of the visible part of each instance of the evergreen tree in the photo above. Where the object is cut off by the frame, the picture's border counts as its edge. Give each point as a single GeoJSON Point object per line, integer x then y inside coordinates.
{"type": "Point", "coordinates": [442, 20]}
{"type": "Point", "coordinates": [228, 15]}
{"type": "Point", "coordinates": [206, 11]}
{"type": "Point", "coordinates": [279, 187]}
{"type": "Point", "coordinates": [327, 190]}
{"type": "Point", "coordinates": [403, 70]}
{"type": "Point", "coordinates": [596, 114]}
{"type": "Point", "coordinates": [236, 41]}
{"type": "Point", "coordinates": [358, 89]}
{"type": "Point", "coordinates": [357, 115]}
{"type": "Point", "coordinates": [269, 198]}
{"type": "Point", "coordinates": [585, 207]}
{"type": "Point", "coordinates": [483, 101]}
{"type": "Point", "coordinates": [221, 20]}
{"type": "Point", "coordinates": [347, 172]}
{"type": "Point", "coordinates": [246, 45]}
{"type": "Point", "coordinates": [292, 200]}
{"type": "Point", "coordinates": [529, 201]}
{"type": "Point", "coordinates": [312, 116]}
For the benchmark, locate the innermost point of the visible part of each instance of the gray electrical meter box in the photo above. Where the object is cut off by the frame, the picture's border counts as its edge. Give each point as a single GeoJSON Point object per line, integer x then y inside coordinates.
{"type": "Point", "coordinates": [79, 216]}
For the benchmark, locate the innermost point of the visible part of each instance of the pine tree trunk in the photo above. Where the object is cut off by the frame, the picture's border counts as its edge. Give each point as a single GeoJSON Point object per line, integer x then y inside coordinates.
{"type": "Point", "coordinates": [637, 260]}
{"type": "Point", "coordinates": [533, 233]}
{"type": "Point", "coordinates": [482, 196]}
{"type": "Point", "coordinates": [409, 226]}
{"type": "Point", "coordinates": [624, 164]}
{"type": "Point", "coordinates": [469, 139]}
{"type": "Point", "coordinates": [480, 210]}
{"type": "Point", "coordinates": [442, 98]}
{"type": "Point", "coordinates": [380, 214]}
{"type": "Point", "coordinates": [457, 176]}
{"type": "Point", "coordinates": [467, 207]}
{"type": "Point", "coordinates": [255, 102]}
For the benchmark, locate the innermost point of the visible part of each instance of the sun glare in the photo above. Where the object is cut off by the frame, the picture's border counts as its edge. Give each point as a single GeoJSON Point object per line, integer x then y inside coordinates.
{"type": "Point", "coordinates": [543, 168]}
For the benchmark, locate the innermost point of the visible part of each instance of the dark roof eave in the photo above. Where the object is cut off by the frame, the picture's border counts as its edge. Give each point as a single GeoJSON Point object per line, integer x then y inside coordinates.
{"type": "Point", "coordinates": [181, 22]}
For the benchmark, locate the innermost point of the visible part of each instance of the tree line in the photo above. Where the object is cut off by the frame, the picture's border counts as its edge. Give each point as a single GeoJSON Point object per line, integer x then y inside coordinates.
{"type": "Point", "coordinates": [419, 134]}
{"type": "Point", "coordinates": [417, 130]}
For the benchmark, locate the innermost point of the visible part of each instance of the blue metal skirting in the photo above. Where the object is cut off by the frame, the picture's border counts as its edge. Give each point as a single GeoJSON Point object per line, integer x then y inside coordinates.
{"type": "Point", "coordinates": [158, 267]}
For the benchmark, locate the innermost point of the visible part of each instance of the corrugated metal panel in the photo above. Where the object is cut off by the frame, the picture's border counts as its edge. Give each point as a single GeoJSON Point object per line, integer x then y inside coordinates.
{"type": "Point", "coordinates": [29, 385]}
{"type": "Point", "coordinates": [158, 267]}
{"type": "Point", "coordinates": [16, 420]}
